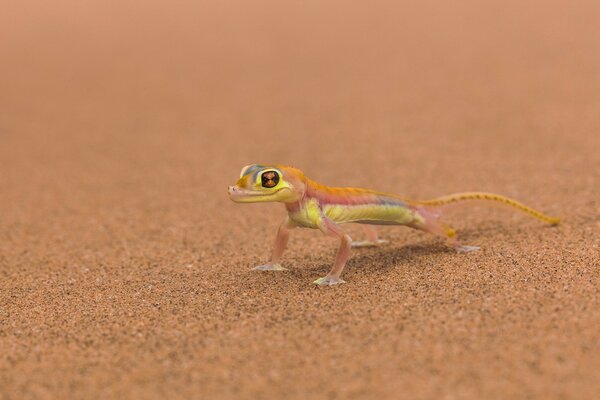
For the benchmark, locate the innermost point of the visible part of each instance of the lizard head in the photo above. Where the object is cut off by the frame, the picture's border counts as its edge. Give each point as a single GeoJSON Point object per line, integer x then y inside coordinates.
{"type": "Point", "coordinates": [267, 183]}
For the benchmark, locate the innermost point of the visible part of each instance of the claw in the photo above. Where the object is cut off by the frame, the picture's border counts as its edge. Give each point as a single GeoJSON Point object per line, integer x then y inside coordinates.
{"type": "Point", "coordinates": [270, 267]}
{"type": "Point", "coordinates": [328, 281]}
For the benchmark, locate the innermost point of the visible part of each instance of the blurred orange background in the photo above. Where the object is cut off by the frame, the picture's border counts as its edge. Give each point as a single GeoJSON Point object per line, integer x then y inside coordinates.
{"type": "Point", "coordinates": [125, 268]}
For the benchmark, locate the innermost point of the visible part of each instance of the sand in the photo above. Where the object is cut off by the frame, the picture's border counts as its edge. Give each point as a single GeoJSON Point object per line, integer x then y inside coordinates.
{"type": "Point", "coordinates": [125, 270]}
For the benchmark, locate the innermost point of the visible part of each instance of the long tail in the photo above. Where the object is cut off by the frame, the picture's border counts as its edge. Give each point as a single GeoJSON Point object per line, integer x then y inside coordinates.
{"type": "Point", "coordinates": [453, 198]}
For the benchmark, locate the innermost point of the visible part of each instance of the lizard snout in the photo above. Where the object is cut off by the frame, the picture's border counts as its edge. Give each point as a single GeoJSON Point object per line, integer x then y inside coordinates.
{"type": "Point", "coordinates": [235, 191]}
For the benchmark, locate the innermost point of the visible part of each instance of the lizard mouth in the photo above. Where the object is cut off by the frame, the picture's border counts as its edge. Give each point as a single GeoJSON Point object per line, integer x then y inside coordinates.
{"type": "Point", "coordinates": [251, 196]}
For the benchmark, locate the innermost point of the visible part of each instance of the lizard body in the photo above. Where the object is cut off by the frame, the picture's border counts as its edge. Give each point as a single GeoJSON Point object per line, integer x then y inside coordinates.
{"type": "Point", "coordinates": [313, 205]}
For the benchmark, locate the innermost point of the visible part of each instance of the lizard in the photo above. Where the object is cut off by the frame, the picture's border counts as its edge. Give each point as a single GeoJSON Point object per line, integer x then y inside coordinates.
{"type": "Point", "coordinates": [313, 205]}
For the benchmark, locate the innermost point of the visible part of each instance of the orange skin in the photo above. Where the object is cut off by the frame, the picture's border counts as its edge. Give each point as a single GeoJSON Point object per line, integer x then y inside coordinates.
{"type": "Point", "coordinates": [313, 205]}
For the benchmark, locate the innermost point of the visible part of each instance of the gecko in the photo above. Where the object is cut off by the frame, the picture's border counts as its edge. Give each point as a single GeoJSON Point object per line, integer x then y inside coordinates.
{"type": "Point", "coordinates": [313, 205]}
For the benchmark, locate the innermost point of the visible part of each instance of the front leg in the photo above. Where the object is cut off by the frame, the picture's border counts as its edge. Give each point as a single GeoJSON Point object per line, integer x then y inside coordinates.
{"type": "Point", "coordinates": [283, 235]}
{"type": "Point", "coordinates": [343, 253]}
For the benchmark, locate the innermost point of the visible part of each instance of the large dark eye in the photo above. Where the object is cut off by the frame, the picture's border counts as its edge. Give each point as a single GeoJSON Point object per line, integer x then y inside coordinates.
{"type": "Point", "coordinates": [270, 179]}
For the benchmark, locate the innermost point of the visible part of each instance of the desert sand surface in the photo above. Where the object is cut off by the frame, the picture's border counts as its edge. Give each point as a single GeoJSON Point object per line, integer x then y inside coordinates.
{"type": "Point", "coordinates": [125, 269]}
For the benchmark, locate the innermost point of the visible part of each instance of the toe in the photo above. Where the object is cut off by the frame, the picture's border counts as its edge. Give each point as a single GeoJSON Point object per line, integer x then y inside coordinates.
{"type": "Point", "coordinates": [362, 244]}
{"type": "Point", "coordinates": [368, 243]}
{"type": "Point", "coordinates": [270, 267]}
{"type": "Point", "coordinates": [466, 249]}
{"type": "Point", "coordinates": [328, 281]}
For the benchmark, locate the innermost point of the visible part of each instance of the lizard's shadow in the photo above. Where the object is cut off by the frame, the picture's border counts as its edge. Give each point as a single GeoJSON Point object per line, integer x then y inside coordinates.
{"type": "Point", "coordinates": [389, 256]}
{"type": "Point", "coordinates": [380, 259]}
{"type": "Point", "coordinates": [385, 258]}
{"type": "Point", "coordinates": [377, 260]}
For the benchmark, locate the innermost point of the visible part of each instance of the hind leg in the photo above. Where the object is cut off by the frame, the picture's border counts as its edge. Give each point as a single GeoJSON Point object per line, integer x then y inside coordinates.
{"type": "Point", "coordinates": [433, 225]}
{"type": "Point", "coordinates": [372, 238]}
{"type": "Point", "coordinates": [450, 235]}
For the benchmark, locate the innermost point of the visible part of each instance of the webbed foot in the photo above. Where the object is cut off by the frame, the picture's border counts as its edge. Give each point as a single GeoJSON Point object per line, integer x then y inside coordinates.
{"type": "Point", "coordinates": [328, 281]}
{"type": "Point", "coordinates": [270, 267]}
{"type": "Point", "coordinates": [466, 249]}
{"type": "Point", "coordinates": [368, 243]}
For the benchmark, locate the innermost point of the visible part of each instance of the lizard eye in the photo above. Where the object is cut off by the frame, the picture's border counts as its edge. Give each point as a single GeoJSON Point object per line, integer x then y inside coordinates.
{"type": "Point", "coordinates": [270, 179]}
